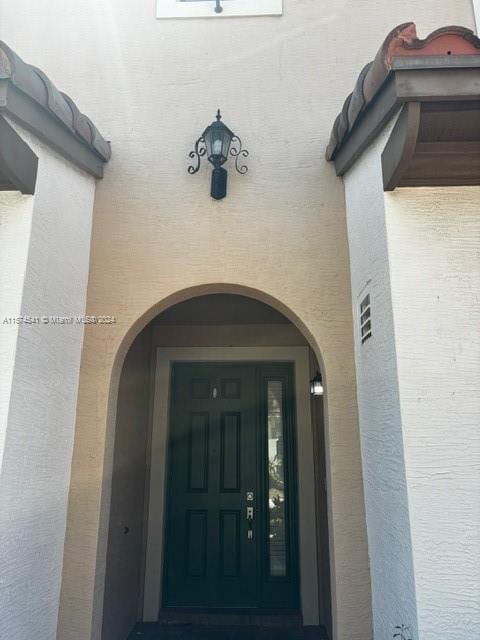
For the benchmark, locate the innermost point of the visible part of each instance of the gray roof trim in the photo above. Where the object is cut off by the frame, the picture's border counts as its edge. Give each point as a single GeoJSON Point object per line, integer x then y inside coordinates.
{"type": "Point", "coordinates": [30, 98]}
{"type": "Point", "coordinates": [18, 163]}
{"type": "Point", "coordinates": [435, 62]}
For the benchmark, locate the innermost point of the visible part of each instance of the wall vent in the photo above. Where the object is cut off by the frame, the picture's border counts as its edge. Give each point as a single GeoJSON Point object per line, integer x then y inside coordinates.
{"type": "Point", "coordinates": [365, 319]}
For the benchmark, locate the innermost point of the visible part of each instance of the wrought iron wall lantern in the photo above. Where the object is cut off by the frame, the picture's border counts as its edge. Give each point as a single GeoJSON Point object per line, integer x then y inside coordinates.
{"type": "Point", "coordinates": [316, 385]}
{"type": "Point", "coordinates": [217, 142]}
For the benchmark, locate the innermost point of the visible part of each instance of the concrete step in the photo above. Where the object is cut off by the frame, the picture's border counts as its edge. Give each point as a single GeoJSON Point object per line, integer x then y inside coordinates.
{"type": "Point", "coordinates": [155, 631]}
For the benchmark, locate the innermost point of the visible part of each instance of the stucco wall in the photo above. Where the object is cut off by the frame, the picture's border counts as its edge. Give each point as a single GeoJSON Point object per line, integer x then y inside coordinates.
{"type": "Point", "coordinates": [52, 247]}
{"type": "Point", "coordinates": [152, 86]}
{"type": "Point", "coordinates": [416, 252]}
{"type": "Point", "coordinates": [434, 248]}
{"type": "Point", "coordinates": [386, 495]}
{"type": "Point", "coordinates": [15, 222]}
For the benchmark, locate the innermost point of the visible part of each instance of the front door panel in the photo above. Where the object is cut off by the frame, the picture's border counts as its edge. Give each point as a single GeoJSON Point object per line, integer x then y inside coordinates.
{"type": "Point", "coordinates": [230, 530]}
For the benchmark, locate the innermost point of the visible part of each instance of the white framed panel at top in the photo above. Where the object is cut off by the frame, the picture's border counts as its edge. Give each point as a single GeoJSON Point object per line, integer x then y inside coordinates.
{"type": "Point", "coordinates": [206, 8]}
{"type": "Point", "coordinates": [476, 12]}
{"type": "Point", "coordinates": [299, 356]}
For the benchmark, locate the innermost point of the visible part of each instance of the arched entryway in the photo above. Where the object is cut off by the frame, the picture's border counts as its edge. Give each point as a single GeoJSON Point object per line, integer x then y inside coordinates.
{"type": "Point", "coordinates": [242, 356]}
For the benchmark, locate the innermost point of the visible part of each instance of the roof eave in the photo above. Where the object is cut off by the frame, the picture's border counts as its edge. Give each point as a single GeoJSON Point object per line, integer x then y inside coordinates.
{"type": "Point", "coordinates": [420, 80]}
{"type": "Point", "coordinates": [29, 98]}
{"type": "Point", "coordinates": [17, 106]}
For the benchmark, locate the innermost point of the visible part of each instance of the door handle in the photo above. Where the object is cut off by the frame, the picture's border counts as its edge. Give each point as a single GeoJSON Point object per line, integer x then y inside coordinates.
{"type": "Point", "coordinates": [250, 518]}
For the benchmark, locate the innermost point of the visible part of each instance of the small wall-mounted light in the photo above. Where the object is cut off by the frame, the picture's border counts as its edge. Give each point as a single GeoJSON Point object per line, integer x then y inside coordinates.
{"type": "Point", "coordinates": [316, 385]}
{"type": "Point", "coordinates": [217, 142]}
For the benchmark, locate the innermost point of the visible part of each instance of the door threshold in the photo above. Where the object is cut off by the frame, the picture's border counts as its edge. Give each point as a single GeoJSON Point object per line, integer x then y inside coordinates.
{"type": "Point", "coordinates": [159, 631]}
{"type": "Point", "coordinates": [227, 617]}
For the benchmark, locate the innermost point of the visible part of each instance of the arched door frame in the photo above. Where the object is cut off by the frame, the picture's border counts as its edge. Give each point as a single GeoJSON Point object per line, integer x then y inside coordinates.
{"type": "Point", "coordinates": [111, 411]}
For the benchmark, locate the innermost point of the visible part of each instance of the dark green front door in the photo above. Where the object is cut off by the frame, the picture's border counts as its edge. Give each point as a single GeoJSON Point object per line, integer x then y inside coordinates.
{"type": "Point", "coordinates": [231, 535]}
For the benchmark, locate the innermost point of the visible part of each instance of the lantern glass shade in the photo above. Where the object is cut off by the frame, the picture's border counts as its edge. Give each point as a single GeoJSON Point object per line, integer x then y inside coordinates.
{"type": "Point", "coordinates": [217, 141]}
{"type": "Point", "coordinates": [316, 385]}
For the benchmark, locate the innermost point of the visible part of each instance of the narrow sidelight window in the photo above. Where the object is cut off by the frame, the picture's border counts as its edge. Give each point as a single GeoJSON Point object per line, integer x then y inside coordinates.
{"type": "Point", "coordinates": [276, 480]}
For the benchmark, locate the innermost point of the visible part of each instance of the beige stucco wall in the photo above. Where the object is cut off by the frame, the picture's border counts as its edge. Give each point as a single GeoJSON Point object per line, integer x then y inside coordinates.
{"type": "Point", "coordinates": [151, 86]}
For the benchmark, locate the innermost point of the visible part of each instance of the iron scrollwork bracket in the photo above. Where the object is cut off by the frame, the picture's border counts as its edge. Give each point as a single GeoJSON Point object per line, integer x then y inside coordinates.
{"type": "Point", "coordinates": [237, 152]}
{"type": "Point", "coordinates": [199, 151]}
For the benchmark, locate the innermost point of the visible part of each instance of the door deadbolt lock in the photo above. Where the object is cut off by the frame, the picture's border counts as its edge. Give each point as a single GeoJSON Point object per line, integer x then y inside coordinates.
{"type": "Point", "coordinates": [250, 513]}
{"type": "Point", "coordinates": [250, 496]}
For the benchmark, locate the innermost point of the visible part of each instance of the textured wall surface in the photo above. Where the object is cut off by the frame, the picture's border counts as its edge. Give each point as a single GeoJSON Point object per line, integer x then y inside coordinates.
{"type": "Point", "coordinates": [386, 496]}
{"type": "Point", "coordinates": [151, 86]}
{"type": "Point", "coordinates": [35, 473]}
{"type": "Point", "coordinates": [416, 252]}
{"type": "Point", "coordinates": [434, 247]}
{"type": "Point", "coordinates": [15, 222]}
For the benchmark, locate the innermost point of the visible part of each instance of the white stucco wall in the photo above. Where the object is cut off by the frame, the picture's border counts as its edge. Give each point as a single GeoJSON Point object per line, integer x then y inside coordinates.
{"type": "Point", "coordinates": [15, 222]}
{"type": "Point", "coordinates": [434, 249]}
{"type": "Point", "coordinates": [386, 495]}
{"type": "Point", "coordinates": [48, 239]}
{"type": "Point", "coordinates": [416, 251]}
